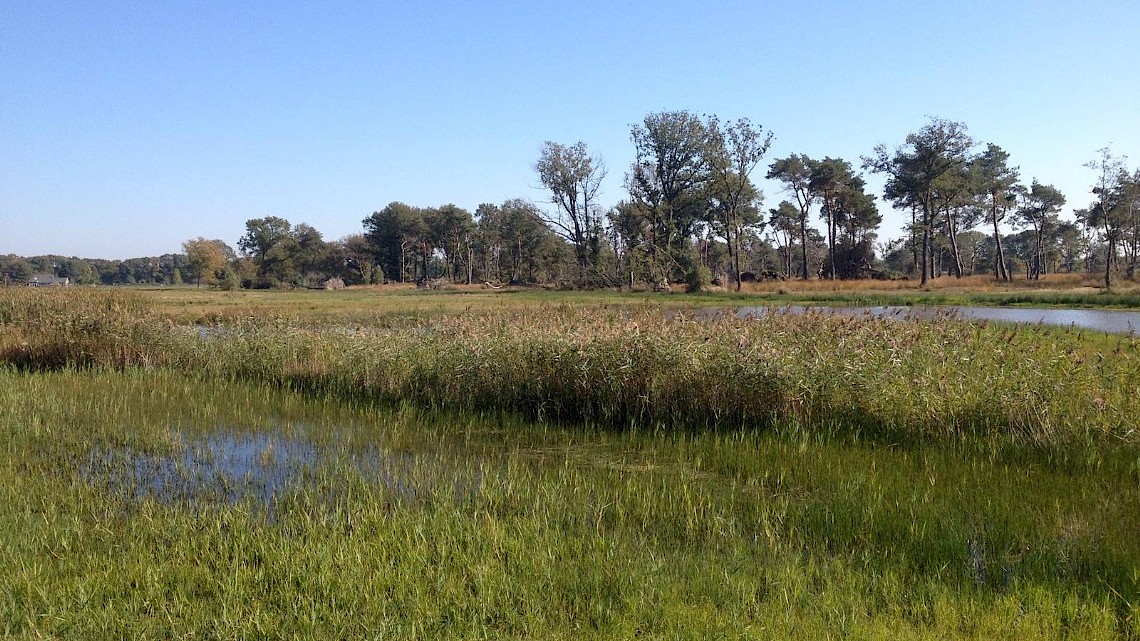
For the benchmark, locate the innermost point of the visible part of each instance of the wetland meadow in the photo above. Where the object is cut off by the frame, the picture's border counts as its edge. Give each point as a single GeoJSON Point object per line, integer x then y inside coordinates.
{"type": "Point", "coordinates": [393, 464]}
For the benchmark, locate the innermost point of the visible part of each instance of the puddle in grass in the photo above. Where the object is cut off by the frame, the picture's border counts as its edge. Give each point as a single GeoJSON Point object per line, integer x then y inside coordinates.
{"type": "Point", "coordinates": [233, 467]}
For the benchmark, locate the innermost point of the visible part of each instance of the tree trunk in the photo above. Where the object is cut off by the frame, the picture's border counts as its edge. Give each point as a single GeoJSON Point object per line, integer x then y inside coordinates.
{"type": "Point", "coordinates": [736, 267]}
{"type": "Point", "coordinates": [914, 235]}
{"type": "Point", "coordinates": [1038, 252]}
{"type": "Point", "coordinates": [952, 232]}
{"type": "Point", "coordinates": [1110, 252]}
{"type": "Point", "coordinates": [1000, 272]}
{"type": "Point", "coordinates": [1133, 244]}
{"type": "Point", "coordinates": [470, 261]}
{"type": "Point", "coordinates": [926, 254]}
{"type": "Point", "coordinates": [403, 260]}
{"type": "Point", "coordinates": [831, 232]}
{"type": "Point", "coordinates": [803, 245]}
{"type": "Point", "coordinates": [733, 262]}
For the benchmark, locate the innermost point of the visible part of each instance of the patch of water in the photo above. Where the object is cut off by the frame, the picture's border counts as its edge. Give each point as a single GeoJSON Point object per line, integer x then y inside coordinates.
{"type": "Point", "coordinates": [231, 467]}
{"type": "Point", "coordinates": [1100, 320]}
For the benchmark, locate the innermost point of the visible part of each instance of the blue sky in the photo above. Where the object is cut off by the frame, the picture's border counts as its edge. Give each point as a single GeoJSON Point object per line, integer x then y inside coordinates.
{"type": "Point", "coordinates": [129, 127]}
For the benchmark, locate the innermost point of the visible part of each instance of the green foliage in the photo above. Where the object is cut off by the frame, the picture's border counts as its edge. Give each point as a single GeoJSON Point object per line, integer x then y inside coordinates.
{"type": "Point", "coordinates": [697, 275]}
{"type": "Point", "coordinates": [573, 178]}
{"type": "Point", "coordinates": [668, 185]}
{"type": "Point", "coordinates": [920, 171]}
{"type": "Point", "coordinates": [735, 151]}
{"type": "Point", "coordinates": [795, 172]}
{"type": "Point", "coordinates": [227, 279]}
{"type": "Point", "coordinates": [1040, 205]}
{"type": "Point", "coordinates": [514, 244]}
{"type": "Point", "coordinates": [993, 182]}
{"type": "Point", "coordinates": [285, 255]}
{"type": "Point", "coordinates": [207, 259]}
{"type": "Point", "coordinates": [1115, 214]}
{"type": "Point", "coordinates": [405, 241]}
{"type": "Point", "coordinates": [849, 213]}
{"type": "Point", "coordinates": [14, 269]}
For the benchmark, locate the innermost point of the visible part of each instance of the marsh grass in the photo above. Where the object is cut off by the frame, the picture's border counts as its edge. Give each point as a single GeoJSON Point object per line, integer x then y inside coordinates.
{"type": "Point", "coordinates": [573, 533]}
{"type": "Point", "coordinates": [640, 475]}
{"type": "Point", "coordinates": [624, 367]}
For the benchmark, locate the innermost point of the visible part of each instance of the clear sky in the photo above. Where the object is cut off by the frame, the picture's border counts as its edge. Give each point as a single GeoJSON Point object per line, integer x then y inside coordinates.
{"type": "Point", "coordinates": [129, 127]}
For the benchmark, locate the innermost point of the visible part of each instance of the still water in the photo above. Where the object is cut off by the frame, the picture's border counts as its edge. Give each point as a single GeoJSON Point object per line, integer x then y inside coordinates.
{"type": "Point", "coordinates": [230, 467]}
{"type": "Point", "coordinates": [1099, 320]}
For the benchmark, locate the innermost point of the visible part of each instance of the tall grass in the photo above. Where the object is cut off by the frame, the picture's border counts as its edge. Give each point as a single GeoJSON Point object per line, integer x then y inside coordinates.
{"type": "Point", "coordinates": [620, 368]}
{"type": "Point", "coordinates": [572, 533]}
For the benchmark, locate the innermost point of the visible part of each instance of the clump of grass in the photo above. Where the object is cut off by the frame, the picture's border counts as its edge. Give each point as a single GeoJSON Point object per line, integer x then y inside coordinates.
{"type": "Point", "coordinates": [57, 327]}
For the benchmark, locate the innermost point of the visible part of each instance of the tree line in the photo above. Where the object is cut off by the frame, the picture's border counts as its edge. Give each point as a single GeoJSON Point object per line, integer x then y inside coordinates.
{"type": "Point", "coordinates": [692, 213]}
{"type": "Point", "coordinates": [166, 269]}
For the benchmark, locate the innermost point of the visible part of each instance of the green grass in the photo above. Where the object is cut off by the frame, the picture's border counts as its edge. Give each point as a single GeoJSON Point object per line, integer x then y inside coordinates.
{"type": "Point", "coordinates": [638, 475]}
{"type": "Point", "coordinates": [573, 532]}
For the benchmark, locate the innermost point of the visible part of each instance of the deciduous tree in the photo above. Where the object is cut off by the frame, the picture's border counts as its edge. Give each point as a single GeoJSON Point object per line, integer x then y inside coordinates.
{"type": "Point", "coordinates": [1109, 212]}
{"type": "Point", "coordinates": [573, 178]}
{"type": "Point", "coordinates": [450, 230]}
{"type": "Point", "coordinates": [397, 235]}
{"type": "Point", "coordinates": [734, 151]}
{"type": "Point", "coordinates": [668, 187]}
{"type": "Point", "coordinates": [784, 226]}
{"type": "Point", "coordinates": [207, 259]}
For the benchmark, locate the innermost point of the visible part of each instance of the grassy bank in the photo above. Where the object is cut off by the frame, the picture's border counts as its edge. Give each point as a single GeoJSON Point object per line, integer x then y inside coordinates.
{"type": "Point", "coordinates": [549, 470]}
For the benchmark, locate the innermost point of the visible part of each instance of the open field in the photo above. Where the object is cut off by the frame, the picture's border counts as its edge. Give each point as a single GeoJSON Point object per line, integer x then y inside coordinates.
{"type": "Point", "coordinates": [405, 465]}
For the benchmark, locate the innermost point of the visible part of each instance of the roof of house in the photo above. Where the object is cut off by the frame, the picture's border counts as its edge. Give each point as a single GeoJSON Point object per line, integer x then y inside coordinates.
{"type": "Point", "coordinates": [48, 279]}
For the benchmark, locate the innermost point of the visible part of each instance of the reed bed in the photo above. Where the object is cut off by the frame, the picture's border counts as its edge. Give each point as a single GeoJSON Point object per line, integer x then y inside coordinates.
{"type": "Point", "coordinates": [638, 367]}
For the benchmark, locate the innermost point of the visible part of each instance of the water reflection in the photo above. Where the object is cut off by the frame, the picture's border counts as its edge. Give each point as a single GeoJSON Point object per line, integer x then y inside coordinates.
{"type": "Point", "coordinates": [1100, 320]}
{"type": "Point", "coordinates": [264, 467]}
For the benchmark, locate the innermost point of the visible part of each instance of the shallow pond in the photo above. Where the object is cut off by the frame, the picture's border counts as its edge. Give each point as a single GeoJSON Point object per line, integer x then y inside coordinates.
{"type": "Point", "coordinates": [229, 466]}
{"type": "Point", "coordinates": [1099, 320]}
